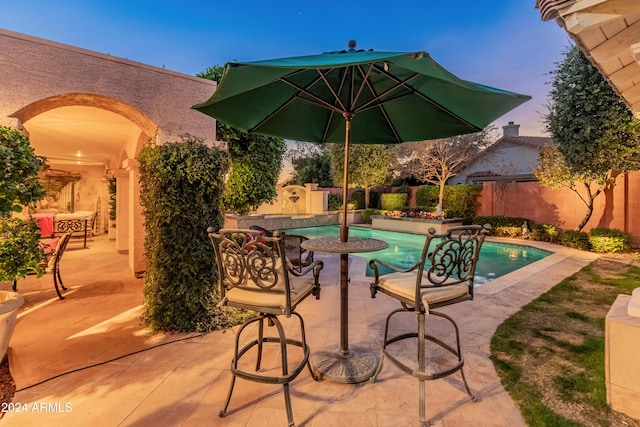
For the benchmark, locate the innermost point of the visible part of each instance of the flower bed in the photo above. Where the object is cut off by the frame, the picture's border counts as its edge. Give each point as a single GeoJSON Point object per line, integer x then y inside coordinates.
{"type": "Point", "coordinates": [410, 213]}
{"type": "Point", "coordinates": [413, 224]}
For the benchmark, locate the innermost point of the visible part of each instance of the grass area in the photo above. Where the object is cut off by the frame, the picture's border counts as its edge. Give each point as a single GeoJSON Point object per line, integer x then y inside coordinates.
{"type": "Point", "coordinates": [550, 355]}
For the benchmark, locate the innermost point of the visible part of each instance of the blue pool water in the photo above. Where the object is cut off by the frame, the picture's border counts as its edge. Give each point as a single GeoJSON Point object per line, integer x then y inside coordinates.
{"type": "Point", "coordinates": [496, 259]}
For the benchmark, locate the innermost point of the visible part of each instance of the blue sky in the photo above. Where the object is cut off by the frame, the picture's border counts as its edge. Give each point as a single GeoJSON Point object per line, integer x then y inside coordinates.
{"type": "Point", "coordinates": [501, 43]}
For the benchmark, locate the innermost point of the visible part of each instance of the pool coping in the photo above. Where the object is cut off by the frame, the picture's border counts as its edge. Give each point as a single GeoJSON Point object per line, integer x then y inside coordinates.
{"type": "Point", "coordinates": [558, 254]}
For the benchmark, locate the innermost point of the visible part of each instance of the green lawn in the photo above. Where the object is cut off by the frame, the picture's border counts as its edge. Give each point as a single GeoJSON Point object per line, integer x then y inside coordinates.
{"type": "Point", "coordinates": [550, 355]}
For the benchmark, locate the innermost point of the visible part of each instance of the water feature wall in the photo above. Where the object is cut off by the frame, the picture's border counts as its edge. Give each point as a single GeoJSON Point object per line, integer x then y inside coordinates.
{"type": "Point", "coordinates": [295, 206]}
{"type": "Point", "coordinates": [296, 200]}
{"type": "Point", "coordinates": [279, 222]}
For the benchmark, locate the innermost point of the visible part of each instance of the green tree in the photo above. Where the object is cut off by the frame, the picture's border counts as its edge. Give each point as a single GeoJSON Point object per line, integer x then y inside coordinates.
{"type": "Point", "coordinates": [181, 185]}
{"type": "Point", "coordinates": [255, 162]}
{"type": "Point", "coordinates": [594, 129]}
{"type": "Point", "coordinates": [20, 251]}
{"type": "Point", "coordinates": [596, 134]}
{"type": "Point", "coordinates": [370, 165]}
{"type": "Point", "coordinates": [553, 172]}
{"type": "Point", "coordinates": [313, 169]}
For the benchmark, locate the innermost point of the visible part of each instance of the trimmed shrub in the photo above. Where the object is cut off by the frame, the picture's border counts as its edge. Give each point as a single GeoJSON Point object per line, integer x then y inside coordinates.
{"type": "Point", "coordinates": [366, 215]}
{"type": "Point", "coordinates": [502, 226]}
{"type": "Point", "coordinates": [545, 233]}
{"type": "Point", "coordinates": [374, 199]}
{"type": "Point", "coordinates": [460, 201]}
{"type": "Point", "coordinates": [609, 240]}
{"type": "Point", "coordinates": [575, 239]}
{"type": "Point", "coordinates": [394, 201]}
{"type": "Point", "coordinates": [357, 198]}
{"type": "Point", "coordinates": [334, 202]}
{"type": "Point", "coordinates": [181, 185]}
{"type": "Point", "coordinates": [427, 198]}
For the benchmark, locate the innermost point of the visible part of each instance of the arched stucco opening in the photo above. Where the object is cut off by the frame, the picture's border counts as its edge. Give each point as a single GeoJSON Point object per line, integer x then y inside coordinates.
{"type": "Point", "coordinates": [98, 137]}
{"type": "Point", "coordinates": [130, 102]}
{"type": "Point", "coordinates": [102, 102]}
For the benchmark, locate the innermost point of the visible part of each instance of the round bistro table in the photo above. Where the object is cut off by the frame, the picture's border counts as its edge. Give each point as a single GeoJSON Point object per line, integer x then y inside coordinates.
{"type": "Point", "coordinates": [341, 364]}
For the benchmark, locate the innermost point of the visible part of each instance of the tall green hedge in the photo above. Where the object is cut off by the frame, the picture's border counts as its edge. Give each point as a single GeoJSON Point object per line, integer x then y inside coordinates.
{"type": "Point", "coordinates": [358, 197]}
{"type": "Point", "coordinates": [181, 185]}
{"type": "Point", "coordinates": [334, 201]}
{"type": "Point", "coordinates": [394, 201]}
{"type": "Point", "coordinates": [427, 198]}
{"type": "Point", "coordinates": [460, 201]}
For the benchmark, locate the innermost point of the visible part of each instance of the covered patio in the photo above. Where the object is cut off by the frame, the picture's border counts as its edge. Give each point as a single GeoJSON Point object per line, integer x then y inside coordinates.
{"type": "Point", "coordinates": [106, 369]}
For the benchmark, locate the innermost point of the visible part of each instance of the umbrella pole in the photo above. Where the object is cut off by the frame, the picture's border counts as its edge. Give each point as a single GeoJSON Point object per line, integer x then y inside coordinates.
{"type": "Point", "coordinates": [344, 228]}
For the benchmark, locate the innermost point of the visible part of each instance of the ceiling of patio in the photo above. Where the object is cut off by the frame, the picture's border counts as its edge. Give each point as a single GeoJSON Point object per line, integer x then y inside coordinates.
{"type": "Point", "coordinates": [80, 135]}
{"type": "Point", "coordinates": [608, 32]}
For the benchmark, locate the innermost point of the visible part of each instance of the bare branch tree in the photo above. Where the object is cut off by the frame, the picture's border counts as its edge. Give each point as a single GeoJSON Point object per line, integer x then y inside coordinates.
{"type": "Point", "coordinates": [438, 160]}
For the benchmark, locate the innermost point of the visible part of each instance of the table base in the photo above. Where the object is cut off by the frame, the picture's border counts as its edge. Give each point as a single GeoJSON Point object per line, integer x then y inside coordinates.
{"type": "Point", "coordinates": [356, 367]}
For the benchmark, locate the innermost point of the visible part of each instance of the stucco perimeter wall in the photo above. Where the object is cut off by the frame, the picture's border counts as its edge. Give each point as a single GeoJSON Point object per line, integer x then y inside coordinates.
{"type": "Point", "coordinates": [35, 69]}
{"type": "Point", "coordinates": [617, 207]}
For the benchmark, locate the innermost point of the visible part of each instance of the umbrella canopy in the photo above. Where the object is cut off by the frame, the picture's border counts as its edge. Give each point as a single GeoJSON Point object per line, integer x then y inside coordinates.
{"type": "Point", "coordinates": [356, 97]}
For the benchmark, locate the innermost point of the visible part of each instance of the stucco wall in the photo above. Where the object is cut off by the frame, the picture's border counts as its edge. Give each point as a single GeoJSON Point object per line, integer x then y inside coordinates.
{"type": "Point", "coordinates": [33, 69]}
{"type": "Point", "coordinates": [617, 207]}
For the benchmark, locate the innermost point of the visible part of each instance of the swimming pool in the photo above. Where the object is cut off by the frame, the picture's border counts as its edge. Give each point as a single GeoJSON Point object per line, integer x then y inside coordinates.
{"type": "Point", "coordinates": [496, 259]}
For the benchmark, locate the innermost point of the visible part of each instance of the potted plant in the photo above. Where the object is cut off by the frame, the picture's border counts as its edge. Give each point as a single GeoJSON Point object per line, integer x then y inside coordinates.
{"type": "Point", "coordinates": [112, 208]}
{"type": "Point", "coordinates": [19, 186]}
{"type": "Point", "coordinates": [20, 250]}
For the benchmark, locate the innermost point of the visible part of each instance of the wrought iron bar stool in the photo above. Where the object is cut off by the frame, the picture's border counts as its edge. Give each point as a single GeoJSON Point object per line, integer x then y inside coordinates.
{"type": "Point", "coordinates": [255, 275]}
{"type": "Point", "coordinates": [443, 276]}
{"type": "Point", "coordinates": [295, 253]}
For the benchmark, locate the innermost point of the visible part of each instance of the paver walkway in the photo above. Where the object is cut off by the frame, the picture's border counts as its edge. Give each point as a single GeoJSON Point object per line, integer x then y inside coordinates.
{"type": "Point", "coordinates": [183, 380]}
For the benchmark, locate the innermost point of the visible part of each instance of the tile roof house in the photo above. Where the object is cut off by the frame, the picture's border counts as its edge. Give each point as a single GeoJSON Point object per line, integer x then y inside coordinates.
{"type": "Point", "coordinates": [512, 157]}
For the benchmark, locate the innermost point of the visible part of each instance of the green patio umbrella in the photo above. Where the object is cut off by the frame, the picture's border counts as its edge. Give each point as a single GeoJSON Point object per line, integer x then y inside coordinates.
{"type": "Point", "coordinates": [356, 97]}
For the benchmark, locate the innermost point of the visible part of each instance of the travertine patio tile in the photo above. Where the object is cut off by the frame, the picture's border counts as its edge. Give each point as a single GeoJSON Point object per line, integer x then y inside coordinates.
{"type": "Point", "coordinates": [185, 383]}
{"type": "Point", "coordinates": [159, 414]}
{"type": "Point", "coordinates": [103, 412]}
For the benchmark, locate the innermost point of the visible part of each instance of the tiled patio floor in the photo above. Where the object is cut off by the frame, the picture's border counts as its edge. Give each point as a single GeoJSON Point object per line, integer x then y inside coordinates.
{"type": "Point", "coordinates": [185, 381]}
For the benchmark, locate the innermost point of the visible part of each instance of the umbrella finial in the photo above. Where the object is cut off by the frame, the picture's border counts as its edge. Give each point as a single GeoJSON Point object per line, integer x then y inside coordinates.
{"type": "Point", "coordinates": [352, 44]}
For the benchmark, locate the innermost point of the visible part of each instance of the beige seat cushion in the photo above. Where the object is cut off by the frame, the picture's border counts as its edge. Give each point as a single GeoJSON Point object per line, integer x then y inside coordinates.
{"type": "Point", "coordinates": [268, 301]}
{"type": "Point", "coordinates": [404, 286]}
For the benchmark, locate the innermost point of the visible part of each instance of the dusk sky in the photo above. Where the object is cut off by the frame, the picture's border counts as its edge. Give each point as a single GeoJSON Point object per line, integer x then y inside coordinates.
{"type": "Point", "coordinates": [500, 43]}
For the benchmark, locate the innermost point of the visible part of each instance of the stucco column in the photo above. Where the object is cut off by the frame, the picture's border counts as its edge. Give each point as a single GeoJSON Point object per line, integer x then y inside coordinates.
{"type": "Point", "coordinates": [10, 122]}
{"type": "Point", "coordinates": [137, 260]}
{"type": "Point", "coordinates": [122, 209]}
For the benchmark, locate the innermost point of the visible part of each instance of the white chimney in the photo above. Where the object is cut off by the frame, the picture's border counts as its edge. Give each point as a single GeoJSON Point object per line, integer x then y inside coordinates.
{"type": "Point", "coordinates": [511, 129]}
